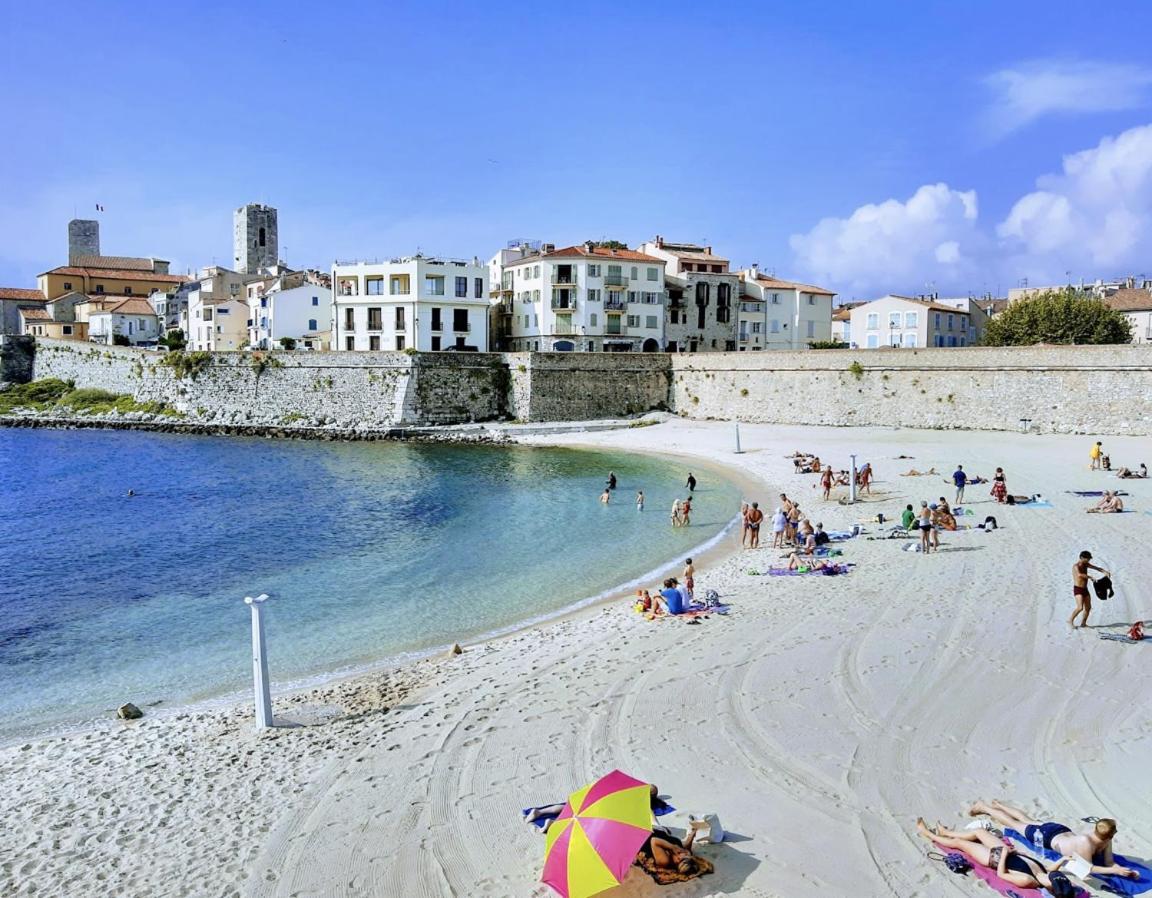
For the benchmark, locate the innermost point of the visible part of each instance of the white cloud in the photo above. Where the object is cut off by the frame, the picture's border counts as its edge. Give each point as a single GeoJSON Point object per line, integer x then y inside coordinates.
{"type": "Point", "coordinates": [1023, 94]}
{"type": "Point", "coordinates": [895, 246]}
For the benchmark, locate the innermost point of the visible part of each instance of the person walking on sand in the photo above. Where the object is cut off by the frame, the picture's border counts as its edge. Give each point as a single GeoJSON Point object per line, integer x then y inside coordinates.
{"type": "Point", "coordinates": [1095, 454]}
{"type": "Point", "coordinates": [999, 486]}
{"type": "Point", "coordinates": [826, 480]}
{"type": "Point", "coordinates": [691, 484]}
{"type": "Point", "coordinates": [755, 519]}
{"type": "Point", "coordinates": [779, 525]}
{"type": "Point", "coordinates": [1080, 578]}
{"type": "Point", "coordinates": [640, 500]}
{"type": "Point", "coordinates": [690, 580]}
{"type": "Point", "coordinates": [961, 480]}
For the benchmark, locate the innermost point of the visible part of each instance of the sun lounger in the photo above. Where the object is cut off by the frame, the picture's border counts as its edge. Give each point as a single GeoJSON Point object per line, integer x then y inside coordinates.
{"type": "Point", "coordinates": [1117, 885]}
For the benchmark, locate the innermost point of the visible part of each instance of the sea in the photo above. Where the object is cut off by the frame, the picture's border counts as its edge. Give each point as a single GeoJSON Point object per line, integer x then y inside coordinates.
{"type": "Point", "coordinates": [370, 553]}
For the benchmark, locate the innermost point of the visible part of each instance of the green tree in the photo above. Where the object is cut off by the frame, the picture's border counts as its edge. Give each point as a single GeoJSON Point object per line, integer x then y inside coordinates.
{"type": "Point", "coordinates": [120, 340]}
{"type": "Point", "coordinates": [1058, 316]}
{"type": "Point", "coordinates": [609, 244]}
{"type": "Point", "coordinates": [173, 340]}
{"type": "Point", "coordinates": [288, 343]}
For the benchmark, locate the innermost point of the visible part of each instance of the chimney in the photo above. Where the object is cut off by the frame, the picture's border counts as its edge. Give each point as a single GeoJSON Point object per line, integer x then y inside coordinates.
{"type": "Point", "coordinates": [707, 250]}
{"type": "Point", "coordinates": [754, 271]}
{"type": "Point", "coordinates": [659, 241]}
{"type": "Point", "coordinates": [589, 245]}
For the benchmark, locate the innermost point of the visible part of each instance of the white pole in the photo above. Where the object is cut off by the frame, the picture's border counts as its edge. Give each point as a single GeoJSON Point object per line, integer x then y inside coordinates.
{"type": "Point", "coordinates": [738, 450]}
{"type": "Point", "coordinates": [260, 663]}
{"type": "Point", "coordinates": [852, 482]}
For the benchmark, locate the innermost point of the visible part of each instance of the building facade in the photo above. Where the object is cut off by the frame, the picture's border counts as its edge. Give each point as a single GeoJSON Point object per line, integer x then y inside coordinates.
{"type": "Point", "coordinates": [255, 238]}
{"type": "Point", "coordinates": [1136, 305]}
{"type": "Point", "coordinates": [12, 299]}
{"type": "Point", "coordinates": [415, 302]}
{"type": "Point", "coordinates": [302, 313]}
{"type": "Point", "coordinates": [133, 320]}
{"type": "Point", "coordinates": [584, 298]}
{"type": "Point", "coordinates": [702, 297]}
{"type": "Point", "coordinates": [779, 314]}
{"type": "Point", "coordinates": [908, 322]}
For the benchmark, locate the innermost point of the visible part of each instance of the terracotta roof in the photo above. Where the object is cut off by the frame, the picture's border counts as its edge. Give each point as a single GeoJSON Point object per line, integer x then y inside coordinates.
{"type": "Point", "coordinates": [934, 306]}
{"type": "Point", "coordinates": [133, 305]}
{"type": "Point", "coordinates": [39, 314]}
{"type": "Point", "coordinates": [792, 285]}
{"type": "Point", "coordinates": [120, 274]}
{"type": "Point", "coordinates": [1130, 300]}
{"type": "Point", "coordinates": [21, 294]}
{"type": "Point", "coordinates": [842, 314]}
{"type": "Point", "coordinates": [599, 252]}
{"type": "Point", "coordinates": [127, 263]}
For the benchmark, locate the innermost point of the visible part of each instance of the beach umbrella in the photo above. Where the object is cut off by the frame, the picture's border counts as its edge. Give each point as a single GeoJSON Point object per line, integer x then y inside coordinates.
{"type": "Point", "coordinates": [594, 841]}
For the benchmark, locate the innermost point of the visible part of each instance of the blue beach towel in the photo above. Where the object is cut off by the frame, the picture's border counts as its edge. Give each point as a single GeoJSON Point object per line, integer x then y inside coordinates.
{"type": "Point", "coordinates": [1117, 885]}
{"type": "Point", "coordinates": [1041, 503]}
{"type": "Point", "coordinates": [659, 808]}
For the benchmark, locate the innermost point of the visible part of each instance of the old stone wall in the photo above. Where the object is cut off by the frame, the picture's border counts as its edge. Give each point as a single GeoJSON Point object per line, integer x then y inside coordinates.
{"type": "Point", "coordinates": [1096, 389]}
{"type": "Point", "coordinates": [16, 355]}
{"type": "Point", "coordinates": [580, 386]}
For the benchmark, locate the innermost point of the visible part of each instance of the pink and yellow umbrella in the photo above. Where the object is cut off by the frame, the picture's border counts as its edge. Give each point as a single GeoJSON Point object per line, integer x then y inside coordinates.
{"type": "Point", "coordinates": [594, 841]}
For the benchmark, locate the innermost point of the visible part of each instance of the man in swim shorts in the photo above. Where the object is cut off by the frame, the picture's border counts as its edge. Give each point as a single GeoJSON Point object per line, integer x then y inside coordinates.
{"type": "Point", "coordinates": [1080, 578]}
{"type": "Point", "coordinates": [755, 519]}
{"type": "Point", "coordinates": [1095, 846]}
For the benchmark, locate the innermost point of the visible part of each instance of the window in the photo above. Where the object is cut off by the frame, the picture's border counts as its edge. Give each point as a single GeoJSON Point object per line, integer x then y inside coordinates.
{"type": "Point", "coordinates": [312, 324]}
{"type": "Point", "coordinates": [208, 314]}
{"type": "Point", "coordinates": [99, 288]}
{"type": "Point", "coordinates": [775, 299]}
{"type": "Point", "coordinates": [911, 319]}
{"type": "Point", "coordinates": [398, 285]}
{"type": "Point", "coordinates": [434, 285]}
{"type": "Point", "coordinates": [910, 340]}
{"type": "Point", "coordinates": [67, 285]}
{"type": "Point", "coordinates": [873, 341]}
{"type": "Point", "coordinates": [593, 271]}
{"type": "Point", "coordinates": [650, 322]}
{"type": "Point", "coordinates": [951, 340]}
{"type": "Point", "coordinates": [951, 321]}
{"type": "Point", "coordinates": [535, 271]}
{"type": "Point", "coordinates": [633, 320]}
{"type": "Point", "coordinates": [811, 300]}
{"type": "Point", "coordinates": [756, 327]}
{"type": "Point", "coordinates": [374, 344]}
{"type": "Point", "coordinates": [894, 319]}
{"type": "Point", "coordinates": [593, 296]}
{"type": "Point", "coordinates": [478, 292]}
{"type": "Point", "coordinates": [937, 323]}
{"type": "Point", "coordinates": [437, 320]}
{"type": "Point", "coordinates": [315, 300]}
{"type": "Point", "coordinates": [399, 318]}
{"type": "Point", "coordinates": [535, 296]}
{"type": "Point", "coordinates": [774, 326]}
{"type": "Point", "coordinates": [349, 320]}
{"type": "Point", "coordinates": [400, 343]}
{"type": "Point", "coordinates": [653, 274]}
{"type": "Point", "coordinates": [460, 320]}
{"type": "Point", "coordinates": [435, 344]}
{"type": "Point", "coordinates": [592, 319]}
{"type": "Point", "coordinates": [939, 341]}
{"type": "Point", "coordinates": [375, 319]}
{"type": "Point", "coordinates": [717, 269]}
{"type": "Point", "coordinates": [635, 273]}
{"type": "Point", "coordinates": [374, 286]}
{"type": "Point", "coordinates": [962, 341]}
{"type": "Point", "coordinates": [633, 296]}
{"type": "Point", "coordinates": [262, 238]}
{"type": "Point", "coordinates": [263, 302]}
{"type": "Point", "coordinates": [127, 291]}
{"type": "Point", "coordinates": [350, 343]}
{"type": "Point", "coordinates": [811, 328]}
{"type": "Point", "coordinates": [223, 311]}
{"type": "Point", "coordinates": [462, 287]}
{"type": "Point", "coordinates": [873, 321]}
{"type": "Point", "coordinates": [66, 330]}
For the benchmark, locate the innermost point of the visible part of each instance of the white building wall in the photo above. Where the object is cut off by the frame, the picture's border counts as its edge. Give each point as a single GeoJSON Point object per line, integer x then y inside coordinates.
{"type": "Point", "coordinates": [288, 313]}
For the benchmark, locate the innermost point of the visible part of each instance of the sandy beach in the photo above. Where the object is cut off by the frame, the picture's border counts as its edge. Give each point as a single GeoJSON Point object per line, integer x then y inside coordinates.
{"type": "Point", "coordinates": [818, 719]}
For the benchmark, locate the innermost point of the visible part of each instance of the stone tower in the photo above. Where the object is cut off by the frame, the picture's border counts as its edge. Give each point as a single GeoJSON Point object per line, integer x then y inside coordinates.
{"type": "Point", "coordinates": [254, 243]}
{"type": "Point", "coordinates": [83, 238]}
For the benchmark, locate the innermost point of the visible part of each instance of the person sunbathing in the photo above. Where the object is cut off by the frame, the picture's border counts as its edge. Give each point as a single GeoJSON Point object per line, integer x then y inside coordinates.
{"type": "Point", "coordinates": [1095, 846]}
{"type": "Point", "coordinates": [989, 851]}
{"type": "Point", "coordinates": [1110, 504]}
{"type": "Point", "coordinates": [943, 518]}
{"type": "Point", "coordinates": [842, 478]}
{"type": "Point", "coordinates": [667, 852]}
{"type": "Point", "coordinates": [807, 563]}
{"type": "Point", "coordinates": [1129, 474]}
{"type": "Point", "coordinates": [912, 472]}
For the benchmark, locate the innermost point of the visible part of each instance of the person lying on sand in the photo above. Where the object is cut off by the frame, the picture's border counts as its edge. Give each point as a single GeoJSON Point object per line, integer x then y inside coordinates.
{"type": "Point", "coordinates": [988, 850]}
{"type": "Point", "coordinates": [667, 852]}
{"type": "Point", "coordinates": [1110, 504]}
{"type": "Point", "coordinates": [943, 519]}
{"type": "Point", "coordinates": [806, 563]}
{"type": "Point", "coordinates": [1129, 474]}
{"type": "Point", "coordinates": [912, 472]}
{"type": "Point", "coordinates": [1095, 846]}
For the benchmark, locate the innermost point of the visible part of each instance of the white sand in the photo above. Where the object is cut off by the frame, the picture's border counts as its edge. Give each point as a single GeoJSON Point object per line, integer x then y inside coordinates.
{"type": "Point", "coordinates": [818, 719]}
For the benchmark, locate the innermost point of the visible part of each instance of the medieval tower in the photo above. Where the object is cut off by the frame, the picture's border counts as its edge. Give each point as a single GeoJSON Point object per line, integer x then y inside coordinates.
{"type": "Point", "coordinates": [254, 243]}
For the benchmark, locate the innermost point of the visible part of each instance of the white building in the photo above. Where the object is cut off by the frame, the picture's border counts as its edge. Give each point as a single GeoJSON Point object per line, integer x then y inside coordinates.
{"type": "Point", "coordinates": [779, 314]}
{"type": "Point", "coordinates": [410, 303]}
{"type": "Point", "coordinates": [215, 324]}
{"type": "Point", "coordinates": [302, 313]}
{"type": "Point", "coordinates": [702, 297]}
{"type": "Point", "coordinates": [1136, 304]}
{"type": "Point", "coordinates": [133, 319]}
{"type": "Point", "coordinates": [580, 298]}
{"type": "Point", "coordinates": [908, 322]}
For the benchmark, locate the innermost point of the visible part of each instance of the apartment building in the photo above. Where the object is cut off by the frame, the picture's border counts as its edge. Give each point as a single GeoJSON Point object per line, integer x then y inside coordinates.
{"type": "Point", "coordinates": [290, 308]}
{"type": "Point", "coordinates": [585, 298]}
{"type": "Point", "coordinates": [779, 314]}
{"type": "Point", "coordinates": [133, 320]}
{"type": "Point", "coordinates": [909, 322]}
{"type": "Point", "coordinates": [702, 296]}
{"type": "Point", "coordinates": [1136, 304]}
{"type": "Point", "coordinates": [414, 302]}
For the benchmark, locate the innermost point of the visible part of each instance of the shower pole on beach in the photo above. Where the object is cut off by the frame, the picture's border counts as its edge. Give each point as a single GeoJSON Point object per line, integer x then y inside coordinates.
{"type": "Point", "coordinates": [852, 482]}
{"type": "Point", "coordinates": [260, 663]}
{"type": "Point", "coordinates": [738, 449]}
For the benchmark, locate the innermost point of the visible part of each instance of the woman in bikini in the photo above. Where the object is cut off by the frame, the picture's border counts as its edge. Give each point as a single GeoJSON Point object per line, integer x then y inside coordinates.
{"type": "Point", "coordinates": [999, 486]}
{"type": "Point", "coordinates": [667, 852]}
{"type": "Point", "coordinates": [925, 525]}
{"type": "Point", "coordinates": [988, 850]}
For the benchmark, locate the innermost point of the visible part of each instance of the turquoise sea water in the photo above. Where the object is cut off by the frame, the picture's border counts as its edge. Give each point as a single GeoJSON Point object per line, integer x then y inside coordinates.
{"type": "Point", "coordinates": [369, 551]}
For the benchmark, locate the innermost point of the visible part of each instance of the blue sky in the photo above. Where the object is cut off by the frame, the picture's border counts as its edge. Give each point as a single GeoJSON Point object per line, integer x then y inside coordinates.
{"type": "Point", "coordinates": [868, 147]}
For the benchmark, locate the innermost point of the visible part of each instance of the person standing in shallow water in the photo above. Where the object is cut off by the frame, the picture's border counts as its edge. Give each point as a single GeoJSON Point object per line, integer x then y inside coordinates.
{"type": "Point", "coordinates": [691, 484]}
{"type": "Point", "coordinates": [640, 500]}
{"type": "Point", "coordinates": [606, 496]}
{"type": "Point", "coordinates": [611, 480]}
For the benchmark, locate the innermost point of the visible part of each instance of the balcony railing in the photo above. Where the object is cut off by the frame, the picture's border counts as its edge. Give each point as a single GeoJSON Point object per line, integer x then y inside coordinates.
{"type": "Point", "coordinates": [616, 280]}
{"type": "Point", "coordinates": [751, 307]}
{"type": "Point", "coordinates": [457, 328]}
{"type": "Point", "coordinates": [614, 305]}
{"type": "Point", "coordinates": [564, 303]}
{"type": "Point", "coordinates": [563, 279]}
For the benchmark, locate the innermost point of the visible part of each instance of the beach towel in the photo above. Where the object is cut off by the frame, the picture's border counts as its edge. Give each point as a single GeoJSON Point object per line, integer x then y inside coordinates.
{"type": "Point", "coordinates": [1117, 885]}
{"type": "Point", "coordinates": [990, 878]}
{"type": "Point", "coordinates": [668, 877]}
{"type": "Point", "coordinates": [1094, 494]}
{"type": "Point", "coordinates": [829, 570]}
{"type": "Point", "coordinates": [1038, 503]}
{"type": "Point", "coordinates": [659, 808]}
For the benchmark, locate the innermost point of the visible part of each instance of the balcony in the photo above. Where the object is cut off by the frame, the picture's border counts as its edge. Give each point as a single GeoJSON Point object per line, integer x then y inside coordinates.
{"type": "Point", "coordinates": [616, 281]}
{"type": "Point", "coordinates": [751, 306]}
{"type": "Point", "coordinates": [461, 328]}
{"type": "Point", "coordinates": [614, 304]}
{"type": "Point", "coordinates": [563, 280]}
{"type": "Point", "coordinates": [563, 303]}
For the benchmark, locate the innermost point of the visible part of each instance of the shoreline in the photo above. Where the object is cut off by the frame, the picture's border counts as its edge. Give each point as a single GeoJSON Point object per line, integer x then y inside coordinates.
{"type": "Point", "coordinates": [710, 550]}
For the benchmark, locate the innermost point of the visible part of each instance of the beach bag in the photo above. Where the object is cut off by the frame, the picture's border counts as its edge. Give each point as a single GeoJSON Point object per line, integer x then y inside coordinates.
{"type": "Point", "coordinates": [989, 523]}
{"type": "Point", "coordinates": [953, 860]}
{"type": "Point", "coordinates": [1103, 587]}
{"type": "Point", "coordinates": [1137, 631]}
{"type": "Point", "coordinates": [1010, 500]}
